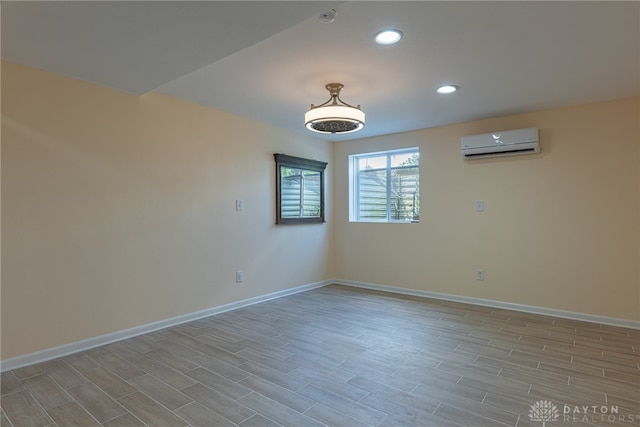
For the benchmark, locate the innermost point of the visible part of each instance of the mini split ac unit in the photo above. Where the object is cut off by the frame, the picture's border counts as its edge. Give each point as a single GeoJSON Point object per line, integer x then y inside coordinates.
{"type": "Point", "coordinates": [504, 143]}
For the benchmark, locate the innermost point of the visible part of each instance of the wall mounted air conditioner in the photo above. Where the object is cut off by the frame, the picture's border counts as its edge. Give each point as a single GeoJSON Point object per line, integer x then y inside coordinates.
{"type": "Point", "coordinates": [504, 143]}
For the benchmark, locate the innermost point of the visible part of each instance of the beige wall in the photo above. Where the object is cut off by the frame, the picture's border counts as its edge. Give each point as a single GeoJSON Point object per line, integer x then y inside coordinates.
{"type": "Point", "coordinates": [560, 229]}
{"type": "Point", "coordinates": [118, 211]}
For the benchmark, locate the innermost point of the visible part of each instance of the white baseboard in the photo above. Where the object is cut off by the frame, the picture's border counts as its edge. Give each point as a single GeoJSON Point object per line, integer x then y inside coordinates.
{"type": "Point", "coordinates": [591, 318]}
{"type": "Point", "coordinates": [64, 350]}
{"type": "Point", "coordinates": [75, 347]}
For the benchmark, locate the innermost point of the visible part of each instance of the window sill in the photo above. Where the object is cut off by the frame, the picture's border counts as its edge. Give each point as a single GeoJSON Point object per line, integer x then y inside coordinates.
{"type": "Point", "coordinates": [385, 222]}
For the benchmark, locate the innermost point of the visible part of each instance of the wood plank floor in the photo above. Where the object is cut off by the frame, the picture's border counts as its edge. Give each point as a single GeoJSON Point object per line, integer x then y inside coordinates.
{"type": "Point", "coordinates": [341, 356]}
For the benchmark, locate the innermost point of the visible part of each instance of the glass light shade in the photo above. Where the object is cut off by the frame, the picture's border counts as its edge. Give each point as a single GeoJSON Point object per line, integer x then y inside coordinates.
{"type": "Point", "coordinates": [334, 119]}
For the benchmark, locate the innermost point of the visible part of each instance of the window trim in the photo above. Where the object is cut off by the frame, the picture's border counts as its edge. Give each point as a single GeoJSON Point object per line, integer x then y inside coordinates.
{"type": "Point", "coordinates": [284, 160]}
{"type": "Point", "coordinates": [354, 185]}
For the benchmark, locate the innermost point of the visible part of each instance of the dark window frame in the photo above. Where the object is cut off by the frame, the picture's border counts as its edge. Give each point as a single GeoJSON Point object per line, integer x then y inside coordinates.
{"type": "Point", "coordinates": [286, 161]}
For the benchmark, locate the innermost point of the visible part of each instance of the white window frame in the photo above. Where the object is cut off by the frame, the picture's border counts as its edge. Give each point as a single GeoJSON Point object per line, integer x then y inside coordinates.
{"type": "Point", "coordinates": [354, 208]}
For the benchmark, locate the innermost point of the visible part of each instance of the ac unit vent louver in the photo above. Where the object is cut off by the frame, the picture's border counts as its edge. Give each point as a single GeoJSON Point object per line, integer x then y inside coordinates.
{"type": "Point", "coordinates": [504, 143]}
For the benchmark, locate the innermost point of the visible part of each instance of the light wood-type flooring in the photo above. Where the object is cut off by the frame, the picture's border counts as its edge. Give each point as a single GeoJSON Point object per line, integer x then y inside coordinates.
{"type": "Point", "coordinates": [345, 357]}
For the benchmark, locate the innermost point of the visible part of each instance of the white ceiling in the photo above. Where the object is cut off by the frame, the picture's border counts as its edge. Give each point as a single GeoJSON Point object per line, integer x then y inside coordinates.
{"type": "Point", "coordinates": [270, 60]}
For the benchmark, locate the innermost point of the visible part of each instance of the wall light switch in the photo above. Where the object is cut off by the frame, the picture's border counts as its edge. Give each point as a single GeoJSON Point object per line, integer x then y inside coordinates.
{"type": "Point", "coordinates": [239, 276]}
{"type": "Point", "coordinates": [479, 205]}
{"type": "Point", "coordinates": [239, 205]}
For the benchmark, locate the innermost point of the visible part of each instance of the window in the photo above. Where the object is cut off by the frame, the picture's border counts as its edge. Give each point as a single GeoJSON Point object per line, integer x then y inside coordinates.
{"type": "Point", "coordinates": [385, 186]}
{"type": "Point", "coordinates": [299, 190]}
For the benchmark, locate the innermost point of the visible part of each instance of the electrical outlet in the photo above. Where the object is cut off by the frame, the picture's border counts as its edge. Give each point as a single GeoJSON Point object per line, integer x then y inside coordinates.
{"type": "Point", "coordinates": [480, 275]}
{"type": "Point", "coordinates": [239, 276]}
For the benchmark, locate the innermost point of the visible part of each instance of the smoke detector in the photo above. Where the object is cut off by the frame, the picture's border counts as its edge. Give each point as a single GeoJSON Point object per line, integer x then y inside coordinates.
{"type": "Point", "coordinates": [328, 16]}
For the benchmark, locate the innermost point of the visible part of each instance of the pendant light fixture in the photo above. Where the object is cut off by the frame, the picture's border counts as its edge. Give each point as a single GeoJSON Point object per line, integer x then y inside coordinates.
{"type": "Point", "coordinates": [334, 116]}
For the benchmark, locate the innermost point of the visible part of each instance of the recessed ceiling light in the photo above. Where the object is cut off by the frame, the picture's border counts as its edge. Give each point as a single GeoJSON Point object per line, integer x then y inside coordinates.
{"type": "Point", "coordinates": [388, 37]}
{"type": "Point", "coordinates": [447, 89]}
